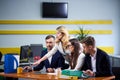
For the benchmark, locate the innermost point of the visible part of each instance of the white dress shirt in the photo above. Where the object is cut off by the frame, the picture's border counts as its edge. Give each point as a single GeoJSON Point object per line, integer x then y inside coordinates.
{"type": "Point", "coordinates": [50, 59]}
{"type": "Point", "coordinates": [93, 61]}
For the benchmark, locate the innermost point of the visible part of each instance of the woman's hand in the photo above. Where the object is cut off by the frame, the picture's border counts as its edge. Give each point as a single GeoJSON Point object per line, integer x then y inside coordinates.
{"type": "Point", "coordinates": [37, 62]}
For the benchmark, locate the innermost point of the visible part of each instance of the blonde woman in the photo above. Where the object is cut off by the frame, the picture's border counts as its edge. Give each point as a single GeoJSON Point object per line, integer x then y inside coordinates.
{"type": "Point", "coordinates": [62, 39]}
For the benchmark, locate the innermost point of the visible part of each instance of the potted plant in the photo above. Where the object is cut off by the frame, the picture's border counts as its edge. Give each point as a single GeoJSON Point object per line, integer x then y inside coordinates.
{"type": "Point", "coordinates": [81, 34]}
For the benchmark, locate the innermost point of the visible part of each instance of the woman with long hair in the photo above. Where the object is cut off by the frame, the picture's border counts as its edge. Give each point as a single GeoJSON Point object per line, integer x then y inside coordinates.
{"type": "Point", "coordinates": [76, 56]}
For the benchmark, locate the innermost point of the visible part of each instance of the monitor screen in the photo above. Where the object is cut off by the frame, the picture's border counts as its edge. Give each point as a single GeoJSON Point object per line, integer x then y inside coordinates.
{"type": "Point", "coordinates": [24, 52]}
{"type": "Point", "coordinates": [54, 10]}
{"type": "Point", "coordinates": [36, 49]}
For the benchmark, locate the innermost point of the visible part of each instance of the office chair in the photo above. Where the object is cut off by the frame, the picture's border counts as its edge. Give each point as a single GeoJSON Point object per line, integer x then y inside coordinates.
{"type": "Point", "coordinates": [1, 63]}
{"type": "Point", "coordinates": [116, 72]}
{"type": "Point", "coordinates": [0, 56]}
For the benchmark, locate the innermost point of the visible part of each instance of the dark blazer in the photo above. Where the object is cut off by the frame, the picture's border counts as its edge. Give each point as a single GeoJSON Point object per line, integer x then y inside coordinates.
{"type": "Point", "coordinates": [57, 61]}
{"type": "Point", "coordinates": [103, 65]}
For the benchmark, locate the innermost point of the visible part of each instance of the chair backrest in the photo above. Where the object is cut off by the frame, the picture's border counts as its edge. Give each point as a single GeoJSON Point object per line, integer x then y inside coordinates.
{"type": "Point", "coordinates": [36, 49]}
{"type": "Point", "coordinates": [116, 72]}
{"type": "Point", "coordinates": [0, 56]}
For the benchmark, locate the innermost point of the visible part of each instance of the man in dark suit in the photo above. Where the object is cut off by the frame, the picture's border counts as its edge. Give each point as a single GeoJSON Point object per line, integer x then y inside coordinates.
{"type": "Point", "coordinates": [97, 61]}
{"type": "Point", "coordinates": [55, 61]}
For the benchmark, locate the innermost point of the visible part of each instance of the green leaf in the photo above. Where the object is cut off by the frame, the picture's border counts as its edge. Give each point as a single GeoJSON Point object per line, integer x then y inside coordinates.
{"type": "Point", "coordinates": [82, 33]}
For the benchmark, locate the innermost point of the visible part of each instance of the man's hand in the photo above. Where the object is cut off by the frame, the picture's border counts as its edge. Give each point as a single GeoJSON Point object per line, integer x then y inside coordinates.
{"type": "Point", "coordinates": [27, 69]}
{"type": "Point", "coordinates": [50, 70]}
{"type": "Point", "coordinates": [89, 72]}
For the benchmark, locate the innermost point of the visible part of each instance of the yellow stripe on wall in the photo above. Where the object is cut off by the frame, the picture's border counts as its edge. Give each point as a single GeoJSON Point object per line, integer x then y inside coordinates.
{"type": "Point", "coordinates": [108, 49]}
{"type": "Point", "coordinates": [55, 21]}
{"type": "Point", "coordinates": [92, 31]}
{"type": "Point", "coordinates": [5, 32]}
{"type": "Point", "coordinates": [10, 50]}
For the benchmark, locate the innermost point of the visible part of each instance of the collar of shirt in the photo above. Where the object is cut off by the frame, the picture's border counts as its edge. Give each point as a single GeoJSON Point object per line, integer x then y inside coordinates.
{"type": "Point", "coordinates": [93, 61]}
{"type": "Point", "coordinates": [50, 58]}
{"type": "Point", "coordinates": [94, 56]}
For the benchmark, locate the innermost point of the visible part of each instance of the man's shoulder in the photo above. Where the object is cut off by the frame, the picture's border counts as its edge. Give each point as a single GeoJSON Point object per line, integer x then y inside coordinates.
{"type": "Point", "coordinates": [101, 52]}
{"type": "Point", "coordinates": [44, 52]}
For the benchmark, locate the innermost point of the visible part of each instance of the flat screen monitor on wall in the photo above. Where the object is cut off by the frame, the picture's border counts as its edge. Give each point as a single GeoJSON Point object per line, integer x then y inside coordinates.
{"type": "Point", "coordinates": [54, 9]}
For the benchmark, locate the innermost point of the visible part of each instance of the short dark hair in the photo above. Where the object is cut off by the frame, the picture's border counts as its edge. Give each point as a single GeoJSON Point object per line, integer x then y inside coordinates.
{"type": "Point", "coordinates": [88, 41]}
{"type": "Point", "coordinates": [49, 36]}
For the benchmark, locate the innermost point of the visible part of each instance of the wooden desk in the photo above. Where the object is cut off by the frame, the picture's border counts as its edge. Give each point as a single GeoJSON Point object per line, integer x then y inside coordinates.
{"type": "Point", "coordinates": [101, 78]}
{"type": "Point", "coordinates": [32, 75]}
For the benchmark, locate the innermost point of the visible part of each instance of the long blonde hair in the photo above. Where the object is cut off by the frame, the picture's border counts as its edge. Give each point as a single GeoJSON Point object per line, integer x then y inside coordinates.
{"type": "Point", "coordinates": [65, 38]}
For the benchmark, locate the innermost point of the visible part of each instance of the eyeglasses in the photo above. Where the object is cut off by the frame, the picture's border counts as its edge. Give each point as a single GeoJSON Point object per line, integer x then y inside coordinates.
{"type": "Point", "coordinates": [69, 45]}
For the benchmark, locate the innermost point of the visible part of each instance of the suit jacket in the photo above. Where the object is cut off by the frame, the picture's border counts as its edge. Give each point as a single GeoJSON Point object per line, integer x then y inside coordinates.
{"type": "Point", "coordinates": [103, 65]}
{"type": "Point", "coordinates": [56, 61]}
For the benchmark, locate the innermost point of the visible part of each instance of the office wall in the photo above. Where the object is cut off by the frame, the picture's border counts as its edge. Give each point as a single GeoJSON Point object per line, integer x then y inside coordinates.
{"type": "Point", "coordinates": [78, 10]}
